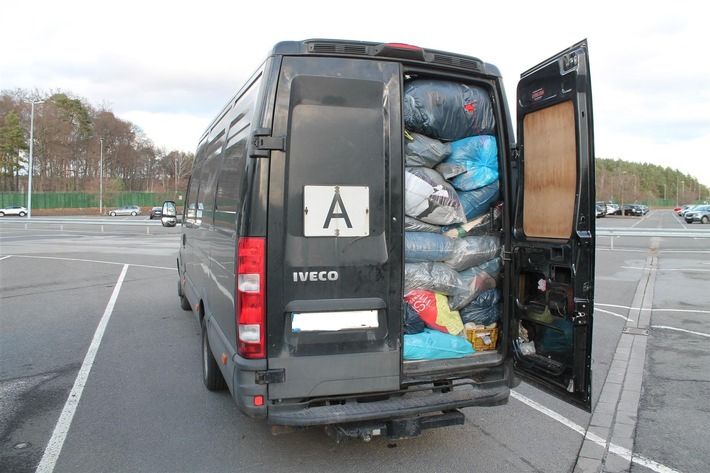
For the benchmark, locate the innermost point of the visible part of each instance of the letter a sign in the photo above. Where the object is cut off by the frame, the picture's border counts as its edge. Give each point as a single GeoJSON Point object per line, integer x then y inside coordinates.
{"type": "Point", "coordinates": [336, 211]}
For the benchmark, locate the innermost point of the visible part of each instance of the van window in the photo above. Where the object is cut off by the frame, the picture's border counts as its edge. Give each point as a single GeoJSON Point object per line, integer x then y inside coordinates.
{"type": "Point", "coordinates": [232, 179]}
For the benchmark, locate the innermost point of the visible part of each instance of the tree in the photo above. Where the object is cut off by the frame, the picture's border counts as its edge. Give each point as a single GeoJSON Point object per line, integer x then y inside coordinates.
{"type": "Point", "coordinates": [12, 142]}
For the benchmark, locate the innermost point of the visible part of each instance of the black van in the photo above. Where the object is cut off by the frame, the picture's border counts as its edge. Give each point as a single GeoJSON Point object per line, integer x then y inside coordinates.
{"type": "Point", "coordinates": [339, 259]}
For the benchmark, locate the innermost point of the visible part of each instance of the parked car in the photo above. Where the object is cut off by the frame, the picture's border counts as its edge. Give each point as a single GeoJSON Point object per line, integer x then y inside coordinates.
{"type": "Point", "coordinates": [684, 209]}
{"type": "Point", "coordinates": [156, 212]}
{"type": "Point", "coordinates": [613, 209]}
{"type": "Point", "coordinates": [603, 207]}
{"type": "Point", "coordinates": [634, 210]}
{"type": "Point", "coordinates": [13, 210]}
{"type": "Point", "coordinates": [600, 211]}
{"type": "Point", "coordinates": [644, 209]}
{"type": "Point", "coordinates": [132, 210]}
{"type": "Point", "coordinates": [699, 214]}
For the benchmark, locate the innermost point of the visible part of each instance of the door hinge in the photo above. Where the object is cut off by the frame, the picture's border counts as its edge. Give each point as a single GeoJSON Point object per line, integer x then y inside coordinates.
{"type": "Point", "coordinates": [270, 376]}
{"type": "Point", "coordinates": [261, 143]}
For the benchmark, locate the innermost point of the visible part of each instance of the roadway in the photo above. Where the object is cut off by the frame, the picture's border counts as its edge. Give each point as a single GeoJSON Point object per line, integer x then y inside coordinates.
{"type": "Point", "coordinates": [100, 370]}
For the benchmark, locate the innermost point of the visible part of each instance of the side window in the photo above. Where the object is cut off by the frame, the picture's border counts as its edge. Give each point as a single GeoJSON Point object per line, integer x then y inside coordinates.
{"type": "Point", "coordinates": [232, 180]}
{"type": "Point", "coordinates": [192, 188]}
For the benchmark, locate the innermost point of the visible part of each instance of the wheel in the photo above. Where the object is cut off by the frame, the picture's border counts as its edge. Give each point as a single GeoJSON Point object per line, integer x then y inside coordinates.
{"type": "Point", "coordinates": [704, 219]}
{"type": "Point", "coordinates": [112, 214]}
{"type": "Point", "coordinates": [133, 214]}
{"type": "Point", "coordinates": [184, 303]}
{"type": "Point", "coordinates": [2, 214]}
{"type": "Point", "coordinates": [22, 214]}
{"type": "Point", "coordinates": [211, 376]}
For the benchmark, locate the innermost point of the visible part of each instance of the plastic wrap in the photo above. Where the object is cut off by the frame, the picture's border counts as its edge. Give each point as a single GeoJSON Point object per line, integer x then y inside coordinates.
{"type": "Point", "coordinates": [477, 279]}
{"type": "Point", "coordinates": [429, 198]}
{"type": "Point", "coordinates": [484, 309]}
{"type": "Point", "coordinates": [411, 224]}
{"type": "Point", "coordinates": [479, 156]}
{"type": "Point", "coordinates": [420, 150]}
{"type": "Point", "coordinates": [434, 277]}
{"type": "Point", "coordinates": [412, 322]}
{"type": "Point", "coordinates": [435, 345]}
{"type": "Point", "coordinates": [424, 246]}
{"type": "Point", "coordinates": [446, 110]}
{"type": "Point", "coordinates": [488, 223]}
{"type": "Point", "coordinates": [472, 251]}
{"type": "Point", "coordinates": [476, 202]}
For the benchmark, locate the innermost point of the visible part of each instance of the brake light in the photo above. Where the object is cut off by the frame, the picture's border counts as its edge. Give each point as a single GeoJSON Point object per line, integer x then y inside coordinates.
{"type": "Point", "coordinates": [251, 311]}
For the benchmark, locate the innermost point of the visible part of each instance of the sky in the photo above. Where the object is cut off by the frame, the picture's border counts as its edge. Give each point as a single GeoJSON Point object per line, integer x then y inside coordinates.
{"type": "Point", "coordinates": [169, 67]}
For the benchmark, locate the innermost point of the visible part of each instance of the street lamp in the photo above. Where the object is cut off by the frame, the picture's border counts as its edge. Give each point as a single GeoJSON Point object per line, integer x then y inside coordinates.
{"type": "Point", "coordinates": [101, 179]}
{"type": "Point", "coordinates": [29, 171]}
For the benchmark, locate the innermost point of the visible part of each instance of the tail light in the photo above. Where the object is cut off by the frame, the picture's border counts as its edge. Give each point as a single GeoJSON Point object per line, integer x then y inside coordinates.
{"type": "Point", "coordinates": [251, 310]}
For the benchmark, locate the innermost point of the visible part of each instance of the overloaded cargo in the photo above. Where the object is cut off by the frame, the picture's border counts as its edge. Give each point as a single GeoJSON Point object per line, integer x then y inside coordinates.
{"type": "Point", "coordinates": [451, 189]}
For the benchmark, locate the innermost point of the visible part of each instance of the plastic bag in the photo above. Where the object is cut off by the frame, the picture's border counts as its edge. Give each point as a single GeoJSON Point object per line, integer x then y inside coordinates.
{"type": "Point", "coordinates": [423, 246]}
{"type": "Point", "coordinates": [412, 322]}
{"type": "Point", "coordinates": [434, 277]}
{"type": "Point", "coordinates": [429, 198]}
{"type": "Point", "coordinates": [484, 309]}
{"type": "Point", "coordinates": [477, 279]}
{"type": "Point", "coordinates": [433, 308]}
{"type": "Point", "coordinates": [411, 224]}
{"type": "Point", "coordinates": [420, 150]}
{"type": "Point", "coordinates": [435, 345]}
{"type": "Point", "coordinates": [446, 110]}
{"type": "Point", "coordinates": [479, 156]}
{"type": "Point", "coordinates": [473, 250]}
{"type": "Point", "coordinates": [486, 224]}
{"type": "Point", "coordinates": [476, 202]}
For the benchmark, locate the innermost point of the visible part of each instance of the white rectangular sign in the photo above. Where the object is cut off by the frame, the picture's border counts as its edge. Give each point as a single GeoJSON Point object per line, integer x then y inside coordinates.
{"type": "Point", "coordinates": [336, 211]}
{"type": "Point", "coordinates": [333, 321]}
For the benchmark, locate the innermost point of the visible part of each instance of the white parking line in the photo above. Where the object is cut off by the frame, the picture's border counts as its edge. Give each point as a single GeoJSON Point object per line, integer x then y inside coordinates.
{"type": "Point", "coordinates": [56, 442]}
{"type": "Point", "coordinates": [615, 449]}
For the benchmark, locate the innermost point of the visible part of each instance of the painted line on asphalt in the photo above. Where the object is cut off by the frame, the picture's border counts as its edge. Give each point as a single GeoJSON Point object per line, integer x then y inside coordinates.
{"type": "Point", "coordinates": [615, 449]}
{"type": "Point", "coordinates": [94, 261]}
{"type": "Point", "coordinates": [56, 442]}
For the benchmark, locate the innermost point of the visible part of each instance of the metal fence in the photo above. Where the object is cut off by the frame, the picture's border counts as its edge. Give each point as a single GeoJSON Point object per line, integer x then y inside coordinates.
{"type": "Point", "coordinates": [78, 200]}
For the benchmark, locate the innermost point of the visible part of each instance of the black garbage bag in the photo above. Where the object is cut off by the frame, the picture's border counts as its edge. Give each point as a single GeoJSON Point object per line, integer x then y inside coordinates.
{"type": "Point", "coordinates": [447, 111]}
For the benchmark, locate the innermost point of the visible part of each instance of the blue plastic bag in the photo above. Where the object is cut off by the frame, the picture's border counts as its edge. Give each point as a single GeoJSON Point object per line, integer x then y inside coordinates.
{"type": "Point", "coordinates": [479, 156]}
{"type": "Point", "coordinates": [424, 246]}
{"type": "Point", "coordinates": [476, 202]}
{"type": "Point", "coordinates": [435, 345]}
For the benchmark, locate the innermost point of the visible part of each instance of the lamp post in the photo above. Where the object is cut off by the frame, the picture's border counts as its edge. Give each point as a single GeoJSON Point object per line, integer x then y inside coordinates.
{"type": "Point", "coordinates": [101, 179]}
{"type": "Point", "coordinates": [29, 170]}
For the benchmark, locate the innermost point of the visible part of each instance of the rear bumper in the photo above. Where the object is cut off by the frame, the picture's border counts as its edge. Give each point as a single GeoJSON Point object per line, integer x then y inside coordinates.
{"type": "Point", "coordinates": [421, 400]}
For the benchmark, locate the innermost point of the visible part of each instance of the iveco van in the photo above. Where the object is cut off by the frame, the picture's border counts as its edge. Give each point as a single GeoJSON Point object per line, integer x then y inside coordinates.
{"type": "Point", "coordinates": [305, 195]}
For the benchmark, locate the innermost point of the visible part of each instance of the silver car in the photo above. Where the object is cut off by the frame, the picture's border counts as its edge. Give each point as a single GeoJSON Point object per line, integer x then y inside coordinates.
{"type": "Point", "coordinates": [698, 214]}
{"type": "Point", "coordinates": [132, 210]}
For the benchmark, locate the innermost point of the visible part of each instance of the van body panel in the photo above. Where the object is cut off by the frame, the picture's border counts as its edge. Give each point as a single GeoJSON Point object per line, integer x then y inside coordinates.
{"type": "Point", "coordinates": [553, 253]}
{"type": "Point", "coordinates": [337, 117]}
{"type": "Point", "coordinates": [309, 156]}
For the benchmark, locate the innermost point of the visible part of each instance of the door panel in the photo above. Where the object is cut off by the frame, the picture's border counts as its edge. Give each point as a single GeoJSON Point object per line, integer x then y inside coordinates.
{"type": "Point", "coordinates": [552, 254]}
{"type": "Point", "coordinates": [335, 225]}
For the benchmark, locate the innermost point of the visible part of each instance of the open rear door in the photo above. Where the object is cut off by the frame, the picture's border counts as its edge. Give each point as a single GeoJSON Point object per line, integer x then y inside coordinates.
{"type": "Point", "coordinates": [553, 243]}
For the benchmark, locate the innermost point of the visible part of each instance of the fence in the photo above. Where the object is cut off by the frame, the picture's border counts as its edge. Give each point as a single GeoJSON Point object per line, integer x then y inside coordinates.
{"type": "Point", "coordinates": [78, 200]}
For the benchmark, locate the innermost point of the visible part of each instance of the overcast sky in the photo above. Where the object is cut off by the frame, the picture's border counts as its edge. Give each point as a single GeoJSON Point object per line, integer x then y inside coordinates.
{"type": "Point", "coordinates": [168, 67]}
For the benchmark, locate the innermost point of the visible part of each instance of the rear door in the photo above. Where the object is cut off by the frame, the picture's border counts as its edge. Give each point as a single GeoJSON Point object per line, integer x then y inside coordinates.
{"type": "Point", "coordinates": [554, 223]}
{"type": "Point", "coordinates": [334, 270]}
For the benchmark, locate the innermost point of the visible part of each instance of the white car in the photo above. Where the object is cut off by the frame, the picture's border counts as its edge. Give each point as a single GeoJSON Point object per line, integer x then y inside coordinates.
{"type": "Point", "coordinates": [13, 210]}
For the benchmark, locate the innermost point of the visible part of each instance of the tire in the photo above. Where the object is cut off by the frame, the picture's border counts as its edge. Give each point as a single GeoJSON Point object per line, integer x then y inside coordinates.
{"type": "Point", "coordinates": [2, 214]}
{"type": "Point", "coordinates": [133, 214]}
{"type": "Point", "coordinates": [704, 219]}
{"type": "Point", "coordinates": [22, 214]}
{"type": "Point", "coordinates": [184, 303]}
{"type": "Point", "coordinates": [211, 375]}
{"type": "Point", "coordinates": [112, 214]}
